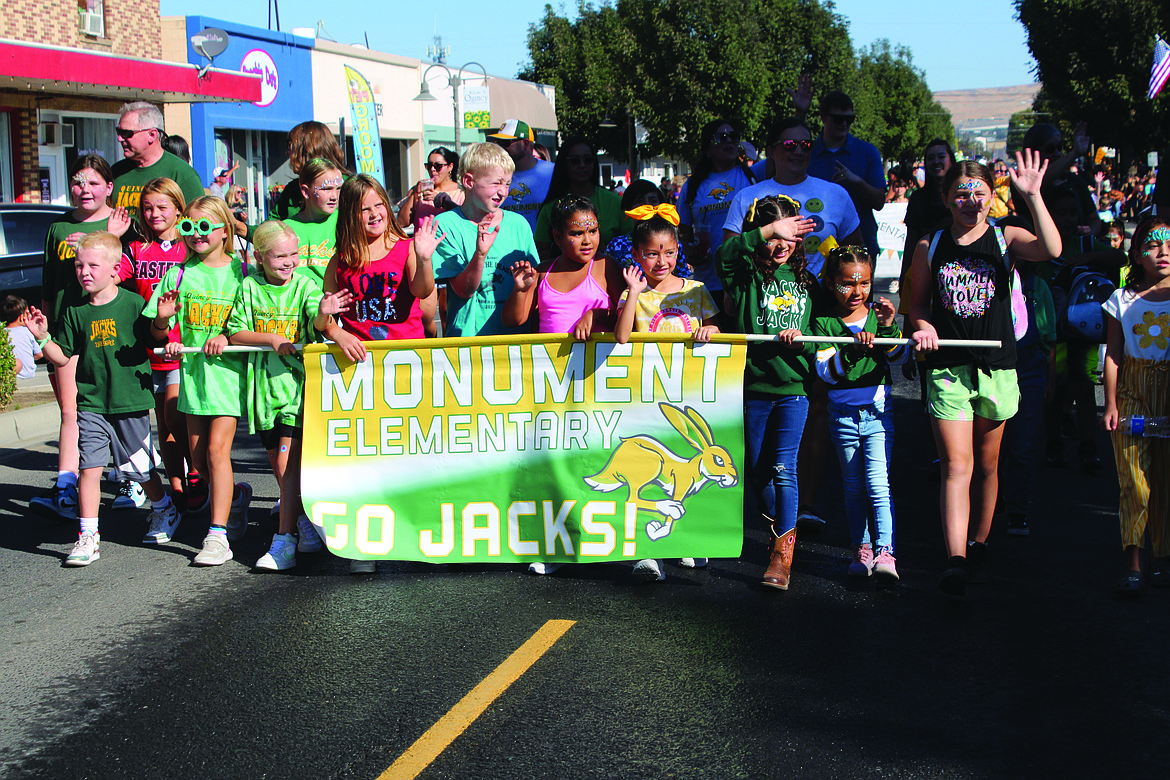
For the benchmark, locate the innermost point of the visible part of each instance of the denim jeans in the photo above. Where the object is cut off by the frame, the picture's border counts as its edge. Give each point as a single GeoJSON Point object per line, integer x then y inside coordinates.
{"type": "Point", "coordinates": [772, 430]}
{"type": "Point", "coordinates": [864, 438]}
{"type": "Point", "coordinates": [1021, 434]}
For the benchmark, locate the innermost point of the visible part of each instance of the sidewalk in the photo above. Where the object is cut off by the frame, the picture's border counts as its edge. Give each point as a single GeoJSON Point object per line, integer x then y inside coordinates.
{"type": "Point", "coordinates": [33, 413]}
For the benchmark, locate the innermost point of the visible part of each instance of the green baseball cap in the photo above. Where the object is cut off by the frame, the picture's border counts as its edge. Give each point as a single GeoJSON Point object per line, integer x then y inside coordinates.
{"type": "Point", "coordinates": [514, 129]}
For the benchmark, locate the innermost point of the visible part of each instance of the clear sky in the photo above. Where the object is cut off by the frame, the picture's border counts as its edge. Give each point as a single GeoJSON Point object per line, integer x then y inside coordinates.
{"type": "Point", "coordinates": [960, 45]}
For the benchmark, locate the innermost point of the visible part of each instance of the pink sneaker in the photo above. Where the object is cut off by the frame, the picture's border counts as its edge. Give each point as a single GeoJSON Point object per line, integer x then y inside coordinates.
{"type": "Point", "coordinates": [884, 570]}
{"type": "Point", "coordinates": [862, 565]}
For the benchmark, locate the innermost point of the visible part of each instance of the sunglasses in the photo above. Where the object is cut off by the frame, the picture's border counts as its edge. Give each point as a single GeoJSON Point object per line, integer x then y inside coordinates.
{"type": "Point", "coordinates": [842, 119]}
{"type": "Point", "coordinates": [725, 138]}
{"type": "Point", "coordinates": [580, 159]}
{"type": "Point", "coordinates": [430, 166]}
{"type": "Point", "coordinates": [126, 135]}
{"type": "Point", "coordinates": [792, 146]}
{"type": "Point", "coordinates": [202, 226]}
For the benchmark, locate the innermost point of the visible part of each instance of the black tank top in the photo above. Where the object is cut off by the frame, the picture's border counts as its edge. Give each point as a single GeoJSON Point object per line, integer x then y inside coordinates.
{"type": "Point", "coordinates": [971, 299]}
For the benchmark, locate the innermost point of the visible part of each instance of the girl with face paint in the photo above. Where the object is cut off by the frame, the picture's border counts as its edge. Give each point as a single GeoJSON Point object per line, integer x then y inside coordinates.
{"type": "Point", "coordinates": [961, 290]}
{"type": "Point", "coordinates": [860, 413]}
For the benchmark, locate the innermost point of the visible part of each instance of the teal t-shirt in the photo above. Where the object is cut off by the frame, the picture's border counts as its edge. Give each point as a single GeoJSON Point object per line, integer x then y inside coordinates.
{"type": "Point", "coordinates": [316, 242]}
{"type": "Point", "coordinates": [275, 383]}
{"type": "Point", "coordinates": [208, 385]}
{"type": "Point", "coordinates": [482, 313]}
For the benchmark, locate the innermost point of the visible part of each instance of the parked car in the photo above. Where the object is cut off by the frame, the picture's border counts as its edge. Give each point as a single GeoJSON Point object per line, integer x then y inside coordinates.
{"type": "Point", "coordinates": [23, 227]}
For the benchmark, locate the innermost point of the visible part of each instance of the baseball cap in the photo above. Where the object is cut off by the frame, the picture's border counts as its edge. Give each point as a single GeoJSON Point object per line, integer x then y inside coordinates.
{"type": "Point", "coordinates": [513, 129]}
{"type": "Point", "coordinates": [218, 171]}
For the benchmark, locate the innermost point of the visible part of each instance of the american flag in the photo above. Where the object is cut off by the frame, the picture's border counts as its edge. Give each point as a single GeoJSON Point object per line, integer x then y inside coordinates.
{"type": "Point", "coordinates": [1161, 70]}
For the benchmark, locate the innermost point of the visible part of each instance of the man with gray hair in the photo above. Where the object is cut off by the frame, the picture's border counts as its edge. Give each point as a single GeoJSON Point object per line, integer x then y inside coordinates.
{"type": "Point", "coordinates": [140, 134]}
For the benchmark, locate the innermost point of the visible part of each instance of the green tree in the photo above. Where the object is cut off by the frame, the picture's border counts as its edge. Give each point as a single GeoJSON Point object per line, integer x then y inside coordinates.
{"type": "Point", "coordinates": [1093, 58]}
{"type": "Point", "coordinates": [896, 111]}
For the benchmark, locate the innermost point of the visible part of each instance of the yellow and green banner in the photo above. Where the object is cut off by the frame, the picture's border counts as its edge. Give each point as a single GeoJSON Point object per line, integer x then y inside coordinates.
{"type": "Point", "coordinates": [367, 142]}
{"type": "Point", "coordinates": [526, 448]}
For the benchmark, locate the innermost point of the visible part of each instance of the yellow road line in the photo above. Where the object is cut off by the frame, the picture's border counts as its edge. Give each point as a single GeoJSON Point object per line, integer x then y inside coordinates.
{"type": "Point", "coordinates": [428, 747]}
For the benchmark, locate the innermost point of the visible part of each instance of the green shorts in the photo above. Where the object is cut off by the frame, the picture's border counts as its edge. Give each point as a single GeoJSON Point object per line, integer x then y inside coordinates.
{"type": "Point", "coordinates": [965, 392]}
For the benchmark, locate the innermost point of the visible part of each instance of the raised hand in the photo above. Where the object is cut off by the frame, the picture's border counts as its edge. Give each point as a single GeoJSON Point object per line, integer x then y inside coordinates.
{"type": "Point", "coordinates": [168, 305]}
{"type": "Point", "coordinates": [791, 228]}
{"type": "Point", "coordinates": [803, 94]}
{"type": "Point", "coordinates": [635, 280]}
{"type": "Point", "coordinates": [427, 238]}
{"type": "Point", "coordinates": [524, 275]}
{"type": "Point", "coordinates": [487, 232]}
{"type": "Point", "coordinates": [335, 303]}
{"type": "Point", "coordinates": [36, 322]}
{"type": "Point", "coordinates": [1029, 172]}
{"type": "Point", "coordinates": [119, 221]}
{"type": "Point", "coordinates": [885, 312]}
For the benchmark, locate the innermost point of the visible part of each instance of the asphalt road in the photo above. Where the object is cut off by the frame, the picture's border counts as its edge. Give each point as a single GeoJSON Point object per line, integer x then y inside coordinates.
{"type": "Point", "coordinates": [143, 666]}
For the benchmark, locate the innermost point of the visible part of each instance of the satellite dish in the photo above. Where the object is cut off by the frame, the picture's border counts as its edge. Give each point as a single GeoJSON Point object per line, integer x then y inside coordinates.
{"type": "Point", "coordinates": [210, 42]}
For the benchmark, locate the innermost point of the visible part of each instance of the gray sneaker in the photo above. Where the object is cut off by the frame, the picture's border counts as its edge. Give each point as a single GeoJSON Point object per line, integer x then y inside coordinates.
{"type": "Point", "coordinates": [85, 551]}
{"type": "Point", "coordinates": [237, 523]}
{"type": "Point", "coordinates": [309, 540]}
{"type": "Point", "coordinates": [216, 551]}
{"type": "Point", "coordinates": [163, 523]}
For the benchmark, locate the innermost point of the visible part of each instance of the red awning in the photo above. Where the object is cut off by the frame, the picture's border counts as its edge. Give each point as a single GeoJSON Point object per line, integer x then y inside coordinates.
{"type": "Point", "coordinates": [56, 70]}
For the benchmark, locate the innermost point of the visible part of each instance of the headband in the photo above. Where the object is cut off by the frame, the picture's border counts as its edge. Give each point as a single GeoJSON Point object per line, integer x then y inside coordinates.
{"type": "Point", "coordinates": [664, 210]}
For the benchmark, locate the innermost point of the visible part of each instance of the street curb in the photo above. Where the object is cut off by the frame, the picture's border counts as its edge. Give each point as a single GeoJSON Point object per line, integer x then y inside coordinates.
{"type": "Point", "coordinates": [26, 425]}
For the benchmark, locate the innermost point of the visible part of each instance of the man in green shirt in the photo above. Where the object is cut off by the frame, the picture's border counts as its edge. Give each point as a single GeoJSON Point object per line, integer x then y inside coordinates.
{"type": "Point", "coordinates": [140, 134]}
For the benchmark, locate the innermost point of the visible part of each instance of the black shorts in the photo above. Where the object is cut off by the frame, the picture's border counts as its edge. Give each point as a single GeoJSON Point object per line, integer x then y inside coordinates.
{"type": "Point", "coordinates": [271, 438]}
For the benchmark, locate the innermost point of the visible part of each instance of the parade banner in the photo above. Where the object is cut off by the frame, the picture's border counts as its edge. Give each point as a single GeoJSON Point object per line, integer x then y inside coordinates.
{"type": "Point", "coordinates": [526, 448]}
{"type": "Point", "coordinates": [367, 143]}
{"type": "Point", "coordinates": [891, 225]}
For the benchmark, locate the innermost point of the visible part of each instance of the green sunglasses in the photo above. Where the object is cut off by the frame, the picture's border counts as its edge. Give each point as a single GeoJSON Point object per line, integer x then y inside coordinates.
{"type": "Point", "coordinates": [191, 227]}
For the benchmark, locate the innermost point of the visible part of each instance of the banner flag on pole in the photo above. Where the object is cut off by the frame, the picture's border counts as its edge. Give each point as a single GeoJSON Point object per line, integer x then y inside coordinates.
{"type": "Point", "coordinates": [1161, 69]}
{"type": "Point", "coordinates": [534, 447]}
{"type": "Point", "coordinates": [367, 143]}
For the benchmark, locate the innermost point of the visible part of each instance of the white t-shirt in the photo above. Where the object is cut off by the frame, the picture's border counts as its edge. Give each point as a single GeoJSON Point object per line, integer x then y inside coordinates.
{"type": "Point", "coordinates": [1145, 325]}
{"type": "Point", "coordinates": [828, 204]}
{"type": "Point", "coordinates": [709, 211]}
{"type": "Point", "coordinates": [529, 189]}
{"type": "Point", "coordinates": [24, 346]}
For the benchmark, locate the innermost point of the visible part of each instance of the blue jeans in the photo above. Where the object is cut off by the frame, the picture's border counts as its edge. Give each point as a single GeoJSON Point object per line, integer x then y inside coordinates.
{"type": "Point", "coordinates": [864, 438]}
{"type": "Point", "coordinates": [772, 430]}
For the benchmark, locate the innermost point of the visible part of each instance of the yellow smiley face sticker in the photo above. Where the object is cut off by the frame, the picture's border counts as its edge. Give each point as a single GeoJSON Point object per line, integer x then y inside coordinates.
{"type": "Point", "coordinates": [815, 205]}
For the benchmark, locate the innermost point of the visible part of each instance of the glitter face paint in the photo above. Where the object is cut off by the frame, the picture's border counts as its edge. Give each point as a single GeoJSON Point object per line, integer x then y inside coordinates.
{"type": "Point", "coordinates": [583, 224]}
{"type": "Point", "coordinates": [856, 276]}
{"type": "Point", "coordinates": [328, 183]}
{"type": "Point", "coordinates": [1159, 234]}
{"type": "Point", "coordinates": [843, 290]}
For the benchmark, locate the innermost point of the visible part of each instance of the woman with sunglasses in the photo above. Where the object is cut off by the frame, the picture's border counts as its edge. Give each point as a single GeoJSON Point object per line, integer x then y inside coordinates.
{"type": "Point", "coordinates": [576, 172]}
{"type": "Point", "coordinates": [706, 196]}
{"type": "Point", "coordinates": [434, 193]}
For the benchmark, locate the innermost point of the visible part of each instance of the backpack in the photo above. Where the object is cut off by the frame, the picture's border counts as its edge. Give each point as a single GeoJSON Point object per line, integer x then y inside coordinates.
{"type": "Point", "coordinates": [1019, 305]}
{"type": "Point", "coordinates": [1077, 295]}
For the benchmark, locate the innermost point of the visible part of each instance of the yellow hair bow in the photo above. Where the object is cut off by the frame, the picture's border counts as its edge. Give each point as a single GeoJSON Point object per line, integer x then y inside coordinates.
{"type": "Point", "coordinates": [827, 246]}
{"type": "Point", "coordinates": [664, 210]}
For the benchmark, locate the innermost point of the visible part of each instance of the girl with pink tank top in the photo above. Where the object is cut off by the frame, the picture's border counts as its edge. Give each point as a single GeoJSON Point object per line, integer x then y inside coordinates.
{"type": "Point", "coordinates": [573, 294]}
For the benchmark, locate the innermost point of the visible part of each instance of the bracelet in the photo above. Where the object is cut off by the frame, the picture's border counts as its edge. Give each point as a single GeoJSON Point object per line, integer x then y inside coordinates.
{"type": "Point", "coordinates": [42, 342]}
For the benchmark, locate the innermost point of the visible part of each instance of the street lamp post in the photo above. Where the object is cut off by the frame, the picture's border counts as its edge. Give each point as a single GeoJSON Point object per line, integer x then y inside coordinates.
{"type": "Point", "coordinates": [455, 82]}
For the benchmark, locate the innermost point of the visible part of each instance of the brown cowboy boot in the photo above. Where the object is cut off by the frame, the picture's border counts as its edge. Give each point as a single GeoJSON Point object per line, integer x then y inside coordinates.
{"type": "Point", "coordinates": [780, 561]}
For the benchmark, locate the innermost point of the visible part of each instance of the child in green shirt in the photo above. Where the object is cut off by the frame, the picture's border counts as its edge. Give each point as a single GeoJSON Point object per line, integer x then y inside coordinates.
{"type": "Point", "coordinates": [315, 225]}
{"type": "Point", "coordinates": [114, 391]}
{"type": "Point", "coordinates": [278, 309]}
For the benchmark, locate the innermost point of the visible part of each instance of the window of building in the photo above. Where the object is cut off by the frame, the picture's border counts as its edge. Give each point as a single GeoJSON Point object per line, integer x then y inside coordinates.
{"type": "Point", "coordinates": [92, 17]}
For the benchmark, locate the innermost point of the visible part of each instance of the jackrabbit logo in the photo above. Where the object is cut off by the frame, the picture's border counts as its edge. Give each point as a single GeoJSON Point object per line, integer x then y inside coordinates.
{"type": "Point", "coordinates": [642, 461]}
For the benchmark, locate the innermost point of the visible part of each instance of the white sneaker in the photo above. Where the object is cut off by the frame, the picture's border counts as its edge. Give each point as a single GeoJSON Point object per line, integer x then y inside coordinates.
{"type": "Point", "coordinates": [130, 495]}
{"type": "Point", "coordinates": [237, 524]}
{"type": "Point", "coordinates": [543, 567]}
{"type": "Point", "coordinates": [163, 523]}
{"type": "Point", "coordinates": [309, 540]}
{"type": "Point", "coordinates": [282, 555]}
{"type": "Point", "coordinates": [85, 551]}
{"type": "Point", "coordinates": [692, 563]}
{"type": "Point", "coordinates": [649, 570]}
{"type": "Point", "coordinates": [362, 567]}
{"type": "Point", "coordinates": [216, 551]}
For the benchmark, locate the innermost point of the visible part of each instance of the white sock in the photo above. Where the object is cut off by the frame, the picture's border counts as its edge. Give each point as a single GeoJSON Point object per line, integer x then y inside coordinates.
{"type": "Point", "coordinates": [161, 504]}
{"type": "Point", "coordinates": [66, 479]}
{"type": "Point", "coordinates": [89, 525]}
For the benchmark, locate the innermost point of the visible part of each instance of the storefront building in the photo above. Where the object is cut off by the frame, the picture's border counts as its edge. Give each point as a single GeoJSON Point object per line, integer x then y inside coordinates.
{"type": "Point", "coordinates": [252, 136]}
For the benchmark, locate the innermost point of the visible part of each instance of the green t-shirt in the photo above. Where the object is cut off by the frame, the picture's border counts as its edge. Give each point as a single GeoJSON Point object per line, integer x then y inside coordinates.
{"type": "Point", "coordinates": [315, 241]}
{"type": "Point", "coordinates": [208, 385]}
{"type": "Point", "coordinates": [609, 217]}
{"type": "Point", "coordinates": [482, 313]}
{"type": "Point", "coordinates": [59, 285]}
{"type": "Point", "coordinates": [275, 383]}
{"type": "Point", "coordinates": [113, 371]}
{"type": "Point", "coordinates": [129, 179]}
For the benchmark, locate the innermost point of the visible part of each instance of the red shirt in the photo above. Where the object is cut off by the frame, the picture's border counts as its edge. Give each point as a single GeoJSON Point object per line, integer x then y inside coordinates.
{"type": "Point", "coordinates": [144, 268]}
{"type": "Point", "coordinates": [383, 307]}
